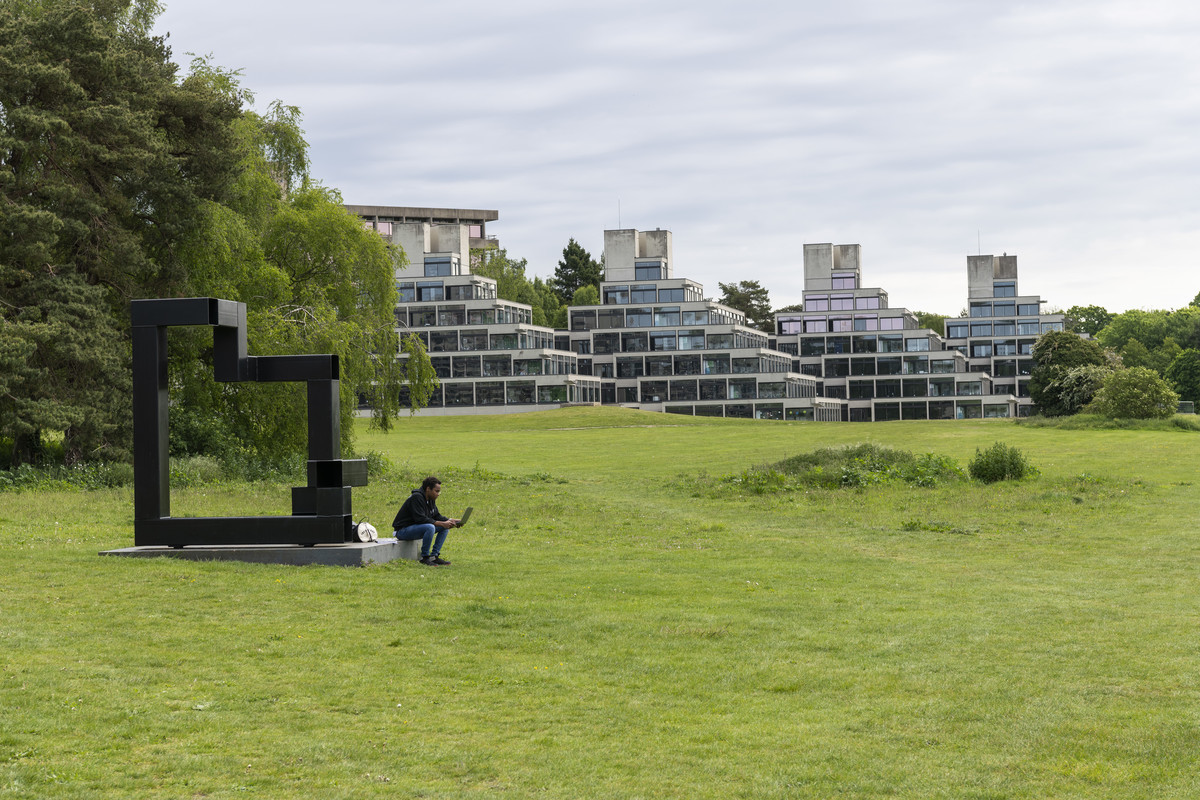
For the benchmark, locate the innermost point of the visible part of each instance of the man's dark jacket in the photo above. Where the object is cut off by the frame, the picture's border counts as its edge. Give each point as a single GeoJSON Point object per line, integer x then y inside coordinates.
{"type": "Point", "coordinates": [417, 510]}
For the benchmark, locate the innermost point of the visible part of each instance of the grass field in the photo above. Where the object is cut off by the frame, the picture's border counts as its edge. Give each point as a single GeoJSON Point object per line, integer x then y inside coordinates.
{"type": "Point", "coordinates": [620, 621]}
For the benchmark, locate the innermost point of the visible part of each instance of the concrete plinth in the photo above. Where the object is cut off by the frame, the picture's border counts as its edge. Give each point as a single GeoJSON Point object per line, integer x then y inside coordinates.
{"type": "Point", "coordinates": [350, 554]}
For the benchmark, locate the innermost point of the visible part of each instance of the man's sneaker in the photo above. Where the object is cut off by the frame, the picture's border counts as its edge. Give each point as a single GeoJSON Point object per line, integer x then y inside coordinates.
{"type": "Point", "coordinates": [438, 561]}
{"type": "Point", "coordinates": [425, 560]}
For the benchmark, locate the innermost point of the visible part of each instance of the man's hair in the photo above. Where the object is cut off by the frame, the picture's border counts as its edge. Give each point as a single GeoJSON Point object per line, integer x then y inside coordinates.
{"type": "Point", "coordinates": [430, 482]}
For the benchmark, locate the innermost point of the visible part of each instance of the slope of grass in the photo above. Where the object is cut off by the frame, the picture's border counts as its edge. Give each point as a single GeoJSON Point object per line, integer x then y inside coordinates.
{"type": "Point", "coordinates": [612, 627]}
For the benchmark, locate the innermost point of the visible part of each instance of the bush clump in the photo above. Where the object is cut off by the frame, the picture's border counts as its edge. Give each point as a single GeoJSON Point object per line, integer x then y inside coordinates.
{"type": "Point", "coordinates": [855, 466]}
{"type": "Point", "coordinates": [1000, 462]}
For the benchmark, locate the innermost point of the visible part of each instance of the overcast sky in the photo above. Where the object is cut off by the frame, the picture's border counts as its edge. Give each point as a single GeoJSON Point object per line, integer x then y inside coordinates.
{"type": "Point", "coordinates": [1066, 132]}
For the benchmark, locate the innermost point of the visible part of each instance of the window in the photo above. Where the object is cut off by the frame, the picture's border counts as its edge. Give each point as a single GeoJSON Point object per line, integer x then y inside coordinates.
{"type": "Point", "coordinates": [862, 366]}
{"type": "Point", "coordinates": [638, 318]}
{"type": "Point", "coordinates": [866, 322]}
{"type": "Point", "coordinates": [604, 343]}
{"type": "Point", "coordinates": [662, 340]}
{"type": "Point", "coordinates": [466, 292]}
{"type": "Point", "coordinates": [956, 330]}
{"type": "Point", "coordinates": [891, 343]}
{"type": "Point", "coordinates": [452, 315]}
{"type": "Point", "coordinates": [490, 393]}
{"type": "Point", "coordinates": [688, 365]}
{"type": "Point", "coordinates": [970, 387]}
{"type": "Point", "coordinates": [407, 291]}
{"type": "Point", "coordinates": [610, 318]}
{"type": "Point", "coordinates": [716, 364]}
{"type": "Point", "coordinates": [981, 309]}
{"type": "Point", "coordinates": [466, 366]}
{"type": "Point", "coordinates": [1004, 289]}
{"type": "Point", "coordinates": [1005, 347]}
{"type": "Point", "coordinates": [1051, 326]}
{"type": "Point", "coordinates": [837, 367]}
{"type": "Point", "coordinates": [887, 388]}
{"type": "Point", "coordinates": [712, 390]}
{"type": "Point", "coordinates": [691, 340]}
{"type": "Point", "coordinates": [981, 350]}
{"type": "Point", "coordinates": [839, 324]}
{"type": "Point", "coordinates": [915, 387]}
{"type": "Point", "coordinates": [616, 295]}
{"type": "Point", "coordinates": [684, 390]}
{"type": "Point", "coordinates": [1028, 327]}
{"type": "Point", "coordinates": [812, 346]}
{"type": "Point", "coordinates": [1004, 310]}
{"type": "Point", "coordinates": [1029, 309]}
{"type": "Point", "coordinates": [816, 302]}
{"type": "Point", "coordinates": [844, 280]}
{"type": "Point", "coordinates": [520, 392]}
{"type": "Point", "coordinates": [695, 318]}
{"type": "Point", "coordinates": [437, 266]}
{"type": "Point", "coordinates": [443, 341]}
{"type": "Point", "coordinates": [720, 341]}
{"type": "Point", "coordinates": [888, 365]}
{"type": "Point", "coordinates": [838, 344]}
{"type": "Point", "coordinates": [582, 347]}
{"type": "Point", "coordinates": [654, 391]}
{"type": "Point", "coordinates": [666, 316]}
{"type": "Point", "coordinates": [669, 296]}
{"type": "Point", "coordinates": [430, 291]}
{"type": "Point", "coordinates": [916, 365]}
{"type": "Point", "coordinates": [502, 341]}
{"type": "Point", "coordinates": [866, 302]}
{"type": "Point", "coordinates": [865, 344]}
{"type": "Point", "coordinates": [916, 345]}
{"type": "Point", "coordinates": [482, 316]}
{"type": "Point", "coordinates": [841, 302]}
{"type": "Point", "coordinates": [630, 367]}
{"type": "Point", "coordinates": [647, 270]}
{"type": "Point", "coordinates": [816, 325]}
{"type": "Point", "coordinates": [861, 390]}
{"type": "Point", "coordinates": [497, 366]}
{"type": "Point", "coordinates": [891, 324]}
{"type": "Point", "coordinates": [981, 329]}
{"type": "Point", "coordinates": [1004, 327]}
{"type": "Point", "coordinates": [643, 294]}
{"type": "Point", "coordinates": [460, 394]}
{"type": "Point", "coordinates": [552, 394]}
{"type": "Point", "coordinates": [423, 316]}
{"type": "Point", "coordinates": [942, 365]}
{"type": "Point", "coordinates": [743, 389]}
{"type": "Point", "coordinates": [745, 366]}
{"type": "Point", "coordinates": [634, 343]}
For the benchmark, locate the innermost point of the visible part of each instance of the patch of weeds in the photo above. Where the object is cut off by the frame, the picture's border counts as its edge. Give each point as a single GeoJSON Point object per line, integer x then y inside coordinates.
{"type": "Point", "coordinates": [919, 525]}
{"type": "Point", "coordinates": [856, 466]}
{"type": "Point", "coordinates": [27, 477]}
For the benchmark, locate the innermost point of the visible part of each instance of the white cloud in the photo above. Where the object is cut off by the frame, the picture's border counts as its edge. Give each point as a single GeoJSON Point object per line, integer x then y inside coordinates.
{"type": "Point", "coordinates": [1062, 131]}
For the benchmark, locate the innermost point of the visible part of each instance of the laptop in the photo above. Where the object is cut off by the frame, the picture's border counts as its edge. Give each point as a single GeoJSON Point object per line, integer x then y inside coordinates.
{"type": "Point", "coordinates": [466, 516]}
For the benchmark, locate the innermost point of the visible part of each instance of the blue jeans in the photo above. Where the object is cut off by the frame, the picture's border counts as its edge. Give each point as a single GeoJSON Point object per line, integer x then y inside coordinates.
{"type": "Point", "coordinates": [425, 532]}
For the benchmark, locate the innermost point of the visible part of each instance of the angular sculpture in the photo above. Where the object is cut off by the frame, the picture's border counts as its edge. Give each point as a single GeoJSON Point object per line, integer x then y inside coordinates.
{"type": "Point", "coordinates": [320, 511]}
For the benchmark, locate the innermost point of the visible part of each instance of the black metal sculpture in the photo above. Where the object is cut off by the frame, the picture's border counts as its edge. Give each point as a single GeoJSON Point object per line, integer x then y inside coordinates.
{"type": "Point", "coordinates": [320, 510]}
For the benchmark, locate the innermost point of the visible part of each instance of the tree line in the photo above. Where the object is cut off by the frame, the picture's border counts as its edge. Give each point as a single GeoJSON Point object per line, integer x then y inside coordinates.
{"type": "Point", "coordinates": [123, 176]}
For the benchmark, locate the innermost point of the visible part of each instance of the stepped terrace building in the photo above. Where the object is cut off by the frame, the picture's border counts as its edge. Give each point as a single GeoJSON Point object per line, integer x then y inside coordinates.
{"type": "Point", "coordinates": [655, 341]}
{"type": "Point", "coordinates": [885, 367]}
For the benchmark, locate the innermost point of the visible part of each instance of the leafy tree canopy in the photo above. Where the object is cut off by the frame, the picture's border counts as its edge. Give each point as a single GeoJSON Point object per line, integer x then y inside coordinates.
{"type": "Point", "coordinates": [122, 179]}
{"type": "Point", "coordinates": [753, 300]}
{"type": "Point", "coordinates": [1087, 319]}
{"type": "Point", "coordinates": [1184, 375]}
{"type": "Point", "coordinates": [935, 322]}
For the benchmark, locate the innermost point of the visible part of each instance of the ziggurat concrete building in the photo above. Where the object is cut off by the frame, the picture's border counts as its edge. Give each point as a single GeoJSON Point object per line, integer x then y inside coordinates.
{"type": "Point", "coordinates": [655, 342]}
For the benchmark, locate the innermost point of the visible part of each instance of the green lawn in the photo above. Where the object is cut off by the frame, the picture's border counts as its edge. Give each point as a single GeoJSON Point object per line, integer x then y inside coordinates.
{"type": "Point", "coordinates": [619, 622]}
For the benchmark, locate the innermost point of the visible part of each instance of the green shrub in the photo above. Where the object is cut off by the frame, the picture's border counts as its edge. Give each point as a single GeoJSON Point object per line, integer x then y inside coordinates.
{"type": "Point", "coordinates": [1000, 462]}
{"type": "Point", "coordinates": [1136, 393]}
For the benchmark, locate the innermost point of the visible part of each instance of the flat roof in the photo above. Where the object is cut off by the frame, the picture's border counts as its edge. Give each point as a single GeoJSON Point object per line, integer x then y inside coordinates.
{"type": "Point", "coordinates": [421, 214]}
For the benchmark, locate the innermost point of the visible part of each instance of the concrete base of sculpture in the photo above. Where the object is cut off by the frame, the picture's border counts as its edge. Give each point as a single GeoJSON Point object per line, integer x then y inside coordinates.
{"type": "Point", "coordinates": [350, 554]}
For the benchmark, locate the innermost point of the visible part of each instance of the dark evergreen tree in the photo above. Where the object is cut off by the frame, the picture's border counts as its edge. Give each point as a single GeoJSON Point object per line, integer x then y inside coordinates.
{"type": "Point", "coordinates": [753, 300]}
{"type": "Point", "coordinates": [577, 269]}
